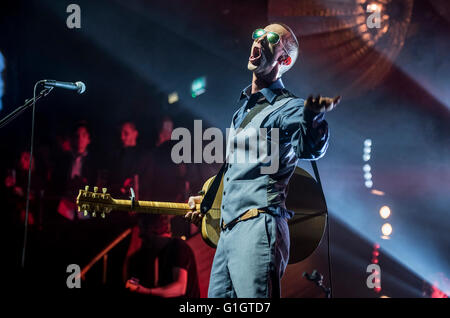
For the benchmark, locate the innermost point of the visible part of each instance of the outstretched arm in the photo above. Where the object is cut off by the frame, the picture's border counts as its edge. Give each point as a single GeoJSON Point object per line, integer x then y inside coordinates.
{"type": "Point", "coordinates": [304, 122]}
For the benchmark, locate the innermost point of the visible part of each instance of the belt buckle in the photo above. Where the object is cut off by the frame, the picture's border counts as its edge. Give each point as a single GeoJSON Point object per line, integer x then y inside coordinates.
{"type": "Point", "coordinates": [223, 226]}
{"type": "Point", "coordinates": [247, 215]}
{"type": "Point", "coordinates": [253, 213]}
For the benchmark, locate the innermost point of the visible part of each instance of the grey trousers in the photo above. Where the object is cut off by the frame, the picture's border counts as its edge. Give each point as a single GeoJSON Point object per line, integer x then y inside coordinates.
{"type": "Point", "coordinates": [250, 259]}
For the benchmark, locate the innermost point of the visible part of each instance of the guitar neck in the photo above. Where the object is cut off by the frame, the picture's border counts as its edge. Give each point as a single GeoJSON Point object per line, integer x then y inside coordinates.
{"type": "Point", "coordinates": [153, 207]}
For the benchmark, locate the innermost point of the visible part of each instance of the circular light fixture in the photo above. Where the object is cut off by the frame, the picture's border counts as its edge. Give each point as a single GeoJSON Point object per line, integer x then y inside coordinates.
{"type": "Point", "coordinates": [357, 41]}
{"type": "Point", "coordinates": [368, 143]}
{"type": "Point", "coordinates": [385, 212]}
{"type": "Point", "coordinates": [386, 229]}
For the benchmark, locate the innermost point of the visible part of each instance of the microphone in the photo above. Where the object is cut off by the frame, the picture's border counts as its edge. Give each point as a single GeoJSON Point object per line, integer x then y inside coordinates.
{"type": "Point", "coordinates": [315, 276]}
{"type": "Point", "coordinates": [80, 87]}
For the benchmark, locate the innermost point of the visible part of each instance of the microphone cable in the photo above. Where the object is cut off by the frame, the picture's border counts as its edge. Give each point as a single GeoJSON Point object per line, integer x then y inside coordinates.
{"type": "Point", "coordinates": [27, 208]}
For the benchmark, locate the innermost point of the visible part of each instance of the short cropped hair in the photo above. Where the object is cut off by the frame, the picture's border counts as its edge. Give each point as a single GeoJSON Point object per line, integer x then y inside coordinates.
{"type": "Point", "coordinates": [79, 124]}
{"type": "Point", "coordinates": [130, 123]}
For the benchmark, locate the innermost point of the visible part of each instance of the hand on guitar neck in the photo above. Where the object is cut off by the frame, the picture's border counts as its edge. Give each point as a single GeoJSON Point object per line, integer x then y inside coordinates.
{"type": "Point", "coordinates": [194, 216]}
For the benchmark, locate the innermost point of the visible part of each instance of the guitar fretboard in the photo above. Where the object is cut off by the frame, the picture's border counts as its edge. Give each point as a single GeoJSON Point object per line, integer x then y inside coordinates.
{"type": "Point", "coordinates": [153, 207]}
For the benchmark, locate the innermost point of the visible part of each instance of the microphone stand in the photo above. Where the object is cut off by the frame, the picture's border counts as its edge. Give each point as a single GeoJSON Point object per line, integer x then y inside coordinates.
{"type": "Point", "coordinates": [6, 120]}
{"type": "Point", "coordinates": [317, 278]}
{"type": "Point", "coordinates": [28, 102]}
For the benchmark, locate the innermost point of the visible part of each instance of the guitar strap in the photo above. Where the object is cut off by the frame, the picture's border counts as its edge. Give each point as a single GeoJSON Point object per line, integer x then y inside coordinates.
{"type": "Point", "coordinates": [316, 174]}
{"type": "Point", "coordinates": [329, 292]}
{"type": "Point", "coordinates": [210, 195]}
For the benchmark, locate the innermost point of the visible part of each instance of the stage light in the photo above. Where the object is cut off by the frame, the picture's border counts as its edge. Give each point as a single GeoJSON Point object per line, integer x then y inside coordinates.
{"type": "Point", "coordinates": [368, 143]}
{"type": "Point", "coordinates": [368, 184]}
{"type": "Point", "coordinates": [385, 212]}
{"type": "Point", "coordinates": [173, 98]}
{"type": "Point", "coordinates": [366, 168]}
{"type": "Point", "coordinates": [368, 176]}
{"type": "Point", "coordinates": [374, 7]}
{"type": "Point", "coordinates": [386, 229]}
{"type": "Point", "coordinates": [198, 86]}
{"type": "Point", "coordinates": [367, 150]}
{"type": "Point", "coordinates": [377, 192]}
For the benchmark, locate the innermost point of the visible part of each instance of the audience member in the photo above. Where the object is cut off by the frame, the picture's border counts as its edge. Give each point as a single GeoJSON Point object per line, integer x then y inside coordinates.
{"type": "Point", "coordinates": [75, 169]}
{"type": "Point", "coordinates": [129, 164]}
{"type": "Point", "coordinates": [157, 264]}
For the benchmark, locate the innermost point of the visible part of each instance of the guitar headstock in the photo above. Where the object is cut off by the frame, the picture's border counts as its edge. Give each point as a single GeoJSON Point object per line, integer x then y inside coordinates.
{"type": "Point", "coordinates": [94, 202]}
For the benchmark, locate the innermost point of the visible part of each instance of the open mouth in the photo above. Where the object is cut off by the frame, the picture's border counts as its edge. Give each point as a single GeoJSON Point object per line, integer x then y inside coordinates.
{"type": "Point", "coordinates": [256, 54]}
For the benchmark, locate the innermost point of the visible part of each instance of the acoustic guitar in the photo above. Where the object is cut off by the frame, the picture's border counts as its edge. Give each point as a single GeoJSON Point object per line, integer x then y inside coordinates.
{"type": "Point", "coordinates": [305, 199]}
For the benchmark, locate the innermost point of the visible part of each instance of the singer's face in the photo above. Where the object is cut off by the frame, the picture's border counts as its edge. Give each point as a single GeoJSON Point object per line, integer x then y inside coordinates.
{"type": "Point", "coordinates": [82, 139]}
{"type": "Point", "coordinates": [264, 56]}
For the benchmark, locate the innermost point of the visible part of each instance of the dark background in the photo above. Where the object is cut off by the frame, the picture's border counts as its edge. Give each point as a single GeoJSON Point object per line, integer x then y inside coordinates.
{"type": "Point", "coordinates": [132, 54]}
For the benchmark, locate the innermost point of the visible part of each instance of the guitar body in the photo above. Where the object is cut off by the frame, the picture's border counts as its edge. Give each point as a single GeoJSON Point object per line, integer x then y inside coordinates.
{"type": "Point", "coordinates": [211, 220]}
{"type": "Point", "coordinates": [306, 227]}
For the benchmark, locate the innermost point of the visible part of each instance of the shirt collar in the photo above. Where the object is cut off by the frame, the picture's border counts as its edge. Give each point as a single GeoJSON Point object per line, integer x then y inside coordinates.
{"type": "Point", "coordinates": [267, 92]}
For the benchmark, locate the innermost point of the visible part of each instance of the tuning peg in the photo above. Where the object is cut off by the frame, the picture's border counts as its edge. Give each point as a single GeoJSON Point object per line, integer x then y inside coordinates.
{"type": "Point", "coordinates": [86, 188]}
{"type": "Point", "coordinates": [104, 190]}
{"type": "Point", "coordinates": [85, 213]}
{"type": "Point", "coordinates": [95, 189]}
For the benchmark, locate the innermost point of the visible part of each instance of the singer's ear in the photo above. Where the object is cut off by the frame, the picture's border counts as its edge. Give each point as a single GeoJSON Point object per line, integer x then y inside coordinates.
{"type": "Point", "coordinates": [285, 60]}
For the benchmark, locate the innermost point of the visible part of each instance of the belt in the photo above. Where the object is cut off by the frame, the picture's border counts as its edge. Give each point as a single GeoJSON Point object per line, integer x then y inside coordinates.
{"type": "Point", "coordinates": [247, 215]}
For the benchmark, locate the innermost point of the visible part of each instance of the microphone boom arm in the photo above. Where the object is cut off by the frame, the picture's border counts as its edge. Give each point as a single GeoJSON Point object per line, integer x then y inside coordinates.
{"type": "Point", "coordinates": [28, 102]}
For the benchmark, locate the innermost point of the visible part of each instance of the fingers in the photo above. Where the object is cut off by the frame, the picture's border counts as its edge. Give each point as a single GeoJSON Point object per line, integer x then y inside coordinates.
{"type": "Point", "coordinates": [194, 200]}
{"type": "Point", "coordinates": [337, 100]}
{"type": "Point", "coordinates": [334, 102]}
{"type": "Point", "coordinates": [322, 104]}
{"type": "Point", "coordinates": [194, 216]}
{"type": "Point", "coordinates": [130, 285]}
